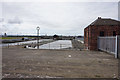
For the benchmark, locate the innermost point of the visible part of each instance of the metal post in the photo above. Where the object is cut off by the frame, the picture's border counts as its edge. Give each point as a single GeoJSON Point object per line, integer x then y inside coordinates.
{"type": "Point", "coordinates": [38, 28]}
{"type": "Point", "coordinates": [116, 47]}
{"type": "Point", "coordinates": [119, 47]}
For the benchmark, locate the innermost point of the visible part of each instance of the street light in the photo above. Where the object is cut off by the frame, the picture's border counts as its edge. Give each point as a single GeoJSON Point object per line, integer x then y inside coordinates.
{"type": "Point", "coordinates": [38, 28]}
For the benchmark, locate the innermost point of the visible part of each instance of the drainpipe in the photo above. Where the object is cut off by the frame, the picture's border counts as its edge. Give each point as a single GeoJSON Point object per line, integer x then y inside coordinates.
{"type": "Point", "coordinates": [88, 37]}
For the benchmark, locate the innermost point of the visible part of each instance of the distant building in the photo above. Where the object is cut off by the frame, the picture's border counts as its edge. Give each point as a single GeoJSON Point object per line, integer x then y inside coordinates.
{"type": "Point", "coordinates": [55, 37]}
{"type": "Point", "coordinates": [100, 27]}
{"type": "Point", "coordinates": [25, 39]}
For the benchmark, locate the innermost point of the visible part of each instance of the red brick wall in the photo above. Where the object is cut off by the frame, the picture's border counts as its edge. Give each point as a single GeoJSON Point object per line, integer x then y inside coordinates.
{"type": "Point", "coordinates": [94, 32]}
{"type": "Point", "coordinates": [86, 37]}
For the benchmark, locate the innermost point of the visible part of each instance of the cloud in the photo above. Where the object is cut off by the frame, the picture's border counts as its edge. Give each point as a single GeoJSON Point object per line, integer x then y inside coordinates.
{"type": "Point", "coordinates": [15, 20]}
{"type": "Point", "coordinates": [1, 20]}
{"type": "Point", "coordinates": [66, 18]}
{"type": "Point", "coordinates": [61, 0]}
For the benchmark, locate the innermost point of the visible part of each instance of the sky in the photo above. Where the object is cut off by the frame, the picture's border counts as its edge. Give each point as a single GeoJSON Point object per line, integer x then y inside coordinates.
{"type": "Point", "coordinates": [62, 18]}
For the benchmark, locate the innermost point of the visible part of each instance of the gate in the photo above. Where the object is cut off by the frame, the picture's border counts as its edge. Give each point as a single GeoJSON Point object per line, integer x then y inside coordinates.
{"type": "Point", "coordinates": [110, 44]}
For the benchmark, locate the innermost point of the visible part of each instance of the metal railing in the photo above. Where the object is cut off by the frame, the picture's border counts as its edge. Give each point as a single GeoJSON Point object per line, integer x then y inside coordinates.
{"type": "Point", "coordinates": [51, 46]}
{"type": "Point", "coordinates": [110, 44]}
{"type": "Point", "coordinates": [32, 43]}
{"type": "Point", "coordinates": [77, 44]}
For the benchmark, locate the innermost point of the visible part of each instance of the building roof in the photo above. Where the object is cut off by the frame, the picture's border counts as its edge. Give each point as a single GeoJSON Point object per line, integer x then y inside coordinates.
{"type": "Point", "coordinates": [105, 21]}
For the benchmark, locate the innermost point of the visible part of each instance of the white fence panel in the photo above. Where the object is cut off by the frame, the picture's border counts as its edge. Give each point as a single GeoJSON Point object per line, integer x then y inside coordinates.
{"type": "Point", "coordinates": [109, 44]}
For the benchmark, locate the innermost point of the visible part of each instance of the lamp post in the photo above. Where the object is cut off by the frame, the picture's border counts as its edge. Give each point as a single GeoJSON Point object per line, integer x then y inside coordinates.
{"type": "Point", "coordinates": [38, 28]}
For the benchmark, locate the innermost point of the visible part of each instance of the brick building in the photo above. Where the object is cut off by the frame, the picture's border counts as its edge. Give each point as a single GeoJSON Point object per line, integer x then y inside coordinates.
{"type": "Point", "coordinates": [100, 27]}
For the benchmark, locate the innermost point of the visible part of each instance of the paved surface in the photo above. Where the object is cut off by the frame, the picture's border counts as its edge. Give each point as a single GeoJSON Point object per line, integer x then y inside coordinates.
{"type": "Point", "coordinates": [20, 62]}
{"type": "Point", "coordinates": [77, 44]}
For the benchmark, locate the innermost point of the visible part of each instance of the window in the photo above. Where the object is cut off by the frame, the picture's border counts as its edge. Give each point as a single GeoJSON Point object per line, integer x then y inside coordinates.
{"type": "Point", "coordinates": [101, 33]}
{"type": "Point", "coordinates": [114, 33]}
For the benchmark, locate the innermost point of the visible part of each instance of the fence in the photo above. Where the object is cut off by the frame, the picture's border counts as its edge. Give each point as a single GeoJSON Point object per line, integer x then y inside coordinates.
{"type": "Point", "coordinates": [77, 44]}
{"type": "Point", "coordinates": [51, 46]}
{"type": "Point", "coordinates": [119, 47]}
{"type": "Point", "coordinates": [110, 44]}
{"type": "Point", "coordinates": [43, 41]}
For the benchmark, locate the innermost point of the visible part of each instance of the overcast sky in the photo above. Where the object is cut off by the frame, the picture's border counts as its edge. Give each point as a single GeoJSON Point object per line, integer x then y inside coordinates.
{"type": "Point", "coordinates": [62, 18]}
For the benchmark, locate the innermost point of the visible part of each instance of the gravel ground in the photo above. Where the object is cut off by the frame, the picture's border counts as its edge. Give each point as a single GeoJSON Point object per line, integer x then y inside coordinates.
{"type": "Point", "coordinates": [77, 45]}
{"type": "Point", "coordinates": [19, 62]}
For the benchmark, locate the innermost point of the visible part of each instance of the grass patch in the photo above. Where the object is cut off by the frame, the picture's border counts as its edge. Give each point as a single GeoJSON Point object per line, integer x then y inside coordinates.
{"type": "Point", "coordinates": [10, 37]}
{"type": "Point", "coordinates": [14, 37]}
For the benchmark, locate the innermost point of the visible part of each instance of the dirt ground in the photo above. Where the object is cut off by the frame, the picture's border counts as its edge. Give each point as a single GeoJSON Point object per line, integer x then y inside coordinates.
{"type": "Point", "coordinates": [24, 63]}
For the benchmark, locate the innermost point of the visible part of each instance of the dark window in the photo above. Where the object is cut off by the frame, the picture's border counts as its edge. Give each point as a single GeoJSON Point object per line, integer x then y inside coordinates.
{"type": "Point", "coordinates": [111, 25]}
{"type": "Point", "coordinates": [114, 33]}
{"type": "Point", "coordinates": [101, 33]}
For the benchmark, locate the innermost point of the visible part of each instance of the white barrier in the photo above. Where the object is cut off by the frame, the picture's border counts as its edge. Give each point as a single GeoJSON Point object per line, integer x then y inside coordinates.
{"type": "Point", "coordinates": [109, 44]}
